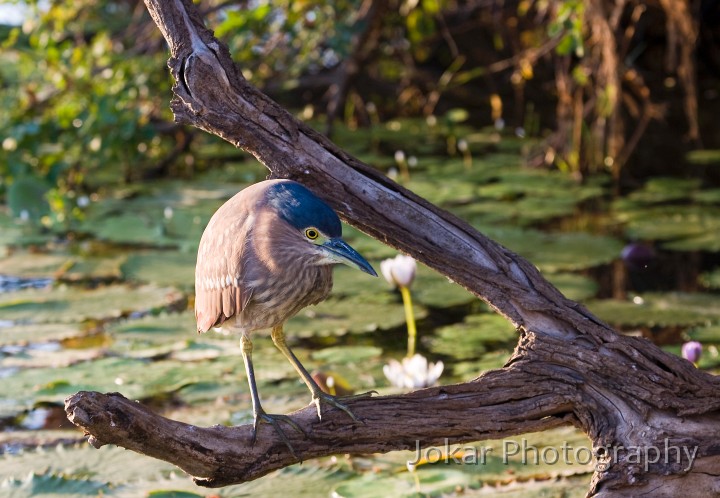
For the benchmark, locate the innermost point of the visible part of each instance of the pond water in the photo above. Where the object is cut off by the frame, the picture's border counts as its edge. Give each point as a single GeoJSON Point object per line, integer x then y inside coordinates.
{"type": "Point", "coordinates": [109, 309]}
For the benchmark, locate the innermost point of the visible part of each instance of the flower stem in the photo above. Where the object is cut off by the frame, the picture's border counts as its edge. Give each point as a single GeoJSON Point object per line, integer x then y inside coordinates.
{"type": "Point", "coordinates": [410, 319]}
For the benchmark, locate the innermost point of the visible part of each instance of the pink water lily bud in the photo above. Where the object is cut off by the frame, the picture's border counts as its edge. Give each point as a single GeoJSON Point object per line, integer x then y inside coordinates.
{"type": "Point", "coordinates": [399, 271]}
{"type": "Point", "coordinates": [691, 351]}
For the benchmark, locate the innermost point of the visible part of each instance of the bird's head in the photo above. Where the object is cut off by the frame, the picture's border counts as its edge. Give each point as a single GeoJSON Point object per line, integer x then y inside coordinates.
{"type": "Point", "coordinates": [316, 223]}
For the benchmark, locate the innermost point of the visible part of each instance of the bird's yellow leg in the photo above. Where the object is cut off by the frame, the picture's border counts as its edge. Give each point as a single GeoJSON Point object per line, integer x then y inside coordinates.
{"type": "Point", "coordinates": [318, 395]}
{"type": "Point", "coordinates": [259, 414]}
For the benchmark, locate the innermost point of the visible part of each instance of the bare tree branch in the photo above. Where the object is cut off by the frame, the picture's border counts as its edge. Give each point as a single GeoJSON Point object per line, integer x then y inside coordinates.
{"type": "Point", "coordinates": [219, 456]}
{"type": "Point", "coordinates": [568, 367]}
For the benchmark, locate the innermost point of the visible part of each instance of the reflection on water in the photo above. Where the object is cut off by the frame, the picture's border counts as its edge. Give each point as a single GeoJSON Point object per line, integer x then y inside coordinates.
{"type": "Point", "coordinates": [9, 283]}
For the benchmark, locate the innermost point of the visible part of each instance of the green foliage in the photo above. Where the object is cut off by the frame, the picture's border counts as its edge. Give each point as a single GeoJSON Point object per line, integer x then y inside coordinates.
{"type": "Point", "coordinates": [283, 40]}
{"type": "Point", "coordinates": [568, 26]}
{"type": "Point", "coordinates": [79, 97]}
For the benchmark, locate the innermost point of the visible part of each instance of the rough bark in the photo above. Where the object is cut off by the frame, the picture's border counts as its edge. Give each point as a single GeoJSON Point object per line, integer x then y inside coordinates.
{"type": "Point", "coordinates": [568, 367]}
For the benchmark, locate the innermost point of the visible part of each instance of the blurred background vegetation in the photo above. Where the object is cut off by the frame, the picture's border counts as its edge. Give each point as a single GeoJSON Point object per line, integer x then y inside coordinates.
{"type": "Point", "coordinates": [625, 88]}
{"type": "Point", "coordinates": [580, 134]}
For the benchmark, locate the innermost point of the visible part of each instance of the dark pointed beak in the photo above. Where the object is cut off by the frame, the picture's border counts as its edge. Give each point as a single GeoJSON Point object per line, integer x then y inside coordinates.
{"type": "Point", "coordinates": [340, 252]}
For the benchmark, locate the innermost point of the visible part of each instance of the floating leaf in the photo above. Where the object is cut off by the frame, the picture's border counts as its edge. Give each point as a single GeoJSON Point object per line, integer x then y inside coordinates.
{"type": "Point", "coordinates": [29, 264]}
{"type": "Point", "coordinates": [173, 494]}
{"type": "Point", "coordinates": [161, 268]}
{"type": "Point", "coordinates": [704, 157]}
{"type": "Point", "coordinates": [469, 369]}
{"type": "Point", "coordinates": [573, 286]}
{"type": "Point", "coordinates": [26, 198]}
{"type": "Point", "coordinates": [67, 304]}
{"type": "Point", "coordinates": [655, 309]}
{"type": "Point", "coordinates": [711, 279]}
{"type": "Point", "coordinates": [710, 196]}
{"type": "Point", "coordinates": [343, 316]}
{"type": "Point", "coordinates": [553, 252]}
{"type": "Point", "coordinates": [683, 228]}
{"type": "Point", "coordinates": [51, 485]}
{"type": "Point", "coordinates": [38, 333]}
{"type": "Point", "coordinates": [664, 189]}
{"type": "Point", "coordinates": [434, 290]}
{"type": "Point", "coordinates": [93, 268]}
{"type": "Point", "coordinates": [346, 354]}
{"type": "Point", "coordinates": [708, 241]}
{"type": "Point", "coordinates": [433, 482]}
{"type": "Point", "coordinates": [709, 334]}
{"type": "Point", "coordinates": [471, 338]}
{"type": "Point", "coordinates": [154, 330]}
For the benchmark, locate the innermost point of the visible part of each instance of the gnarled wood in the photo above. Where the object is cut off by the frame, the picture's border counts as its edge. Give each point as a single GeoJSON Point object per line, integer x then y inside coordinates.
{"type": "Point", "coordinates": [569, 367]}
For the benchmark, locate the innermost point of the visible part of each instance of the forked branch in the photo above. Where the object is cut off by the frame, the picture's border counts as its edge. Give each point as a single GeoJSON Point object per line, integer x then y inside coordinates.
{"type": "Point", "coordinates": [218, 456]}
{"type": "Point", "coordinates": [568, 366]}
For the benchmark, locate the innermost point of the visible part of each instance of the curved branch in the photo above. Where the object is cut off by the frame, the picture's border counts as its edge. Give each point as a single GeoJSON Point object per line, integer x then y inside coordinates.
{"type": "Point", "coordinates": [568, 367]}
{"type": "Point", "coordinates": [217, 456]}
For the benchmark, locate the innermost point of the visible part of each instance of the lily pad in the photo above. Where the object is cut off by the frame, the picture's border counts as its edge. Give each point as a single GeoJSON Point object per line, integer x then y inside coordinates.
{"type": "Point", "coordinates": [709, 241]}
{"type": "Point", "coordinates": [469, 369]}
{"type": "Point", "coordinates": [168, 215]}
{"type": "Point", "coordinates": [28, 264]}
{"type": "Point", "coordinates": [161, 268]}
{"type": "Point", "coordinates": [346, 354]}
{"type": "Point", "coordinates": [709, 196]}
{"type": "Point", "coordinates": [432, 482]}
{"type": "Point", "coordinates": [52, 485]}
{"type": "Point", "coordinates": [47, 355]}
{"type": "Point", "coordinates": [132, 228]}
{"type": "Point", "coordinates": [522, 461]}
{"type": "Point", "coordinates": [704, 157]}
{"type": "Point", "coordinates": [17, 233]}
{"type": "Point", "coordinates": [135, 378]}
{"type": "Point", "coordinates": [655, 309]}
{"type": "Point", "coordinates": [38, 333]}
{"type": "Point", "coordinates": [157, 329]}
{"type": "Point", "coordinates": [104, 269]}
{"type": "Point", "coordinates": [681, 228]}
{"type": "Point", "coordinates": [26, 196]}
{"type": "Point", "coordinates": [554, 252]}
{"type": "Point", "coordinates": [665, 189]}
{"type": "Point", "coordinates": [450, 189]}
{"type": "Point", "coordinates": [436, 291]}
{"type": "Point", "coordinates": [475, 335]}
{"type": "Point", "coordinates": [711, 279]}
{"type": "Point", "coordinates": [125, 474]}
{"type": "Point", "coordinates": [348, 316]}
{"type": "Point", "coordinates": [63, 304]}
{"type": "Point", "coordinates": [709, 334]}
{"type": "Point", "coordinates": [574, 286]}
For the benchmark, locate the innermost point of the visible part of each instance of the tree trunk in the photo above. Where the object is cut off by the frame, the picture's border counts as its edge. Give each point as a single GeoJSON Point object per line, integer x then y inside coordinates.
{"type": "Point", "coordinates": [652, 417]}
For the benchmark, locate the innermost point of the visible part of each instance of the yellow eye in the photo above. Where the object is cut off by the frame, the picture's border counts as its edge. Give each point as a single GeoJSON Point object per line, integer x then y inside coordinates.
{"type": "Point", "coordinates": [312, 233]}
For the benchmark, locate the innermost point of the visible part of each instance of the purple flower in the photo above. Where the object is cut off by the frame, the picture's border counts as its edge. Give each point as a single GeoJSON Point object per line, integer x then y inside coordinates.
{"type": "Point", "coordinates": [691, 351]}
{"type": "Point", "coordinates": [637, 256]}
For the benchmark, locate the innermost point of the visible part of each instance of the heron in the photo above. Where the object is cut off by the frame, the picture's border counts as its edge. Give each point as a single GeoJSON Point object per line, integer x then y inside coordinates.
{"type": "Point", "coordinates": [266, 254]}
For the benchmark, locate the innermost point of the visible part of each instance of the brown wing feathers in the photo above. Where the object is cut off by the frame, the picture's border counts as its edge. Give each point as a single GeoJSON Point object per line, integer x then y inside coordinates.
{"type": "Point", "coordinates": [218, 274]}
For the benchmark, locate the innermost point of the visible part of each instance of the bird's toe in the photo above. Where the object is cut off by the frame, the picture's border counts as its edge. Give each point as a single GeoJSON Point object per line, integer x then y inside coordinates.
{"type": "Point", "coordinates": [322, 398]}
{"type": "Point", "coordinates": [274, 420]}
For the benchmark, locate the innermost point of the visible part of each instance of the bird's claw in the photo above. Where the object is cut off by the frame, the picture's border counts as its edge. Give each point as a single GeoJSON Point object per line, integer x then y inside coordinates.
{"type": "Point", "coordinates": [322, 397]}
{"type": "Point", "coordinates": [274, 420]}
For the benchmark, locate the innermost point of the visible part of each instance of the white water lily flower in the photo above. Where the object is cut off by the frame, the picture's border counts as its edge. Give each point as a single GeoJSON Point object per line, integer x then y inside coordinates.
{"type": "Point", "coordinates": [413, 373]}
{"type": "Point", "coordinates": [399, 271]}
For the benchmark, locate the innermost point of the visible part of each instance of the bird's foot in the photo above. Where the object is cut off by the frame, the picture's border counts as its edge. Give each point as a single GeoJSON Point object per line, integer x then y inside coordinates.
{"type": "Point", "coordinates": [321, 397]}
{"type": "Point", "coordinates": [274, 420]}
